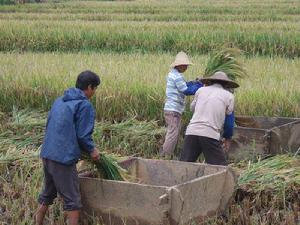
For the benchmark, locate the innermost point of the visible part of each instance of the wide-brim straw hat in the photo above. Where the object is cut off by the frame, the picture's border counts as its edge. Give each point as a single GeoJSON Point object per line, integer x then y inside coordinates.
{"type": "Point", "coordinates": [222, 78]}
{"type": "Point", "coordinates": [181, 59]}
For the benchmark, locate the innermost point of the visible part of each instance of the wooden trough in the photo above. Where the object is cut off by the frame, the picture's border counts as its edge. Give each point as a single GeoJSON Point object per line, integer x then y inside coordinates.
{"type": "Point", "coordinates": [264, 136]}
{"type": "Point", "coordinates": [163, 192]}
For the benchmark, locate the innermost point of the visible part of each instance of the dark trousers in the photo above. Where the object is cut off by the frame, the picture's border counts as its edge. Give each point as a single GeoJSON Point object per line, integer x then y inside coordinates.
{"type": "Point", "coordinates": [194, 145]}
{"type": "Point", "coordinates": [62, 179]}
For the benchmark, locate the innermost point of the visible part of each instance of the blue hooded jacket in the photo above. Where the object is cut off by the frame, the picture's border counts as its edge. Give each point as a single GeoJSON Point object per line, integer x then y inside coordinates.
{"type": "Point", "coordinates": [69, 128]}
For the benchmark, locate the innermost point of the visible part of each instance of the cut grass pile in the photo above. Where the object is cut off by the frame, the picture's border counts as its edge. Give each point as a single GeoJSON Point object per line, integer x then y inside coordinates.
{"type": "Point", "coordinates": [277, 173]}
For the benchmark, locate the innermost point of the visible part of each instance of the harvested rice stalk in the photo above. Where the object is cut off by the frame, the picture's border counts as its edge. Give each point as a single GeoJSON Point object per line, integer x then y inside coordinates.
{"type": "Point", "coordinates": [107, 166]}
{"type": "Point", "coordinates": [271, 187]}
{"type": "Point", "coordinates": [26, 157]}
{"type": "Point", "coordinates": [226, 61]}
{"type": "Point", "coordinates": [274, 173]}
{"type": "Point", "coordinates": [130, 137]}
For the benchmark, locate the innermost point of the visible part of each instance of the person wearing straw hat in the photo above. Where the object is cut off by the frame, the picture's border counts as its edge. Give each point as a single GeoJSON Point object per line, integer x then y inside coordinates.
{"type": "Point", "coordinates": [174, 106]}
{"type": "Point", "coordinates": [212, 106]}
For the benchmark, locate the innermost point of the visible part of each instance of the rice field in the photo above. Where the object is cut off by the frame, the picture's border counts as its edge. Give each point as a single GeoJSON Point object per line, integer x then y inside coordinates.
{"type": "Point", "coordinates": [130, 44]}
{"type": "Point", "coordinates": [134, 84]}
{"type": "Point", "coordinates": [197, 38]}
{"type": "Point", "coordinates": [258, 28]}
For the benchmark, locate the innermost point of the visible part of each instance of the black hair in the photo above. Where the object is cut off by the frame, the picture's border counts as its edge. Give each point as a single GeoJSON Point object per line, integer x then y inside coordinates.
{"type": "Point", "coordinates": [87, 78]}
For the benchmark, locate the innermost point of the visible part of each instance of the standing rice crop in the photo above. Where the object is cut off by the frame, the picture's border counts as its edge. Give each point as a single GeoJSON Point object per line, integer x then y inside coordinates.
{"type": "Point", "coordinates": [272, 39]}
{"type": "Point", "coordinates": [133, 87]}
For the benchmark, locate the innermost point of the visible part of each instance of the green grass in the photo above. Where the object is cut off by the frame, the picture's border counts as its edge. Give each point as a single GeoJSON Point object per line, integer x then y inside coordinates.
{"type": "Point", "coordinates": [258, 28]}
{"type": "Point", "coordinates": [134, 84]}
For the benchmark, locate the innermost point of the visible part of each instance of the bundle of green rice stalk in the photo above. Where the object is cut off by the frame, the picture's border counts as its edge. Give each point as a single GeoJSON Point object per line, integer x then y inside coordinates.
{"type": "Point", "coordinates": [107, 166]}
{"type": "Point", "coordinates": [226, 61]}
{"type": "Point", "coordinates": [273, 182]}
{"type": "Point", "coordinates": [272, 173]}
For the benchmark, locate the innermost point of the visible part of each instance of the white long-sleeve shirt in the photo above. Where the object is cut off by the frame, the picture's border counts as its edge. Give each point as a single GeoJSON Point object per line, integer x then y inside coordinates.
{"type": "Point", "coordinates": [210, 106]}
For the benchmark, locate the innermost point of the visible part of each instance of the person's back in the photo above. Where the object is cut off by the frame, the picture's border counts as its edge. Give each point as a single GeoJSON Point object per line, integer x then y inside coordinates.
{"type": "Point", "coordinates": [63, 136]}
{"type": "Point", "coordinates": [213, 109]}
{"type": "Point", "coordinates": [211, 105]}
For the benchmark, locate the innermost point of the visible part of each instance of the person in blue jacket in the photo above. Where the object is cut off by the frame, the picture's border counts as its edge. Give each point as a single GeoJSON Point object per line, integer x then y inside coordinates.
{"type": "Point", "coordinates": [69, 131]}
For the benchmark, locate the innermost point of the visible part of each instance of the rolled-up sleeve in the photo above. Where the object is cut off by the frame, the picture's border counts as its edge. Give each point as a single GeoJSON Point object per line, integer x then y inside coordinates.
{"type": "Point", "coordinates": [85, 127]}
